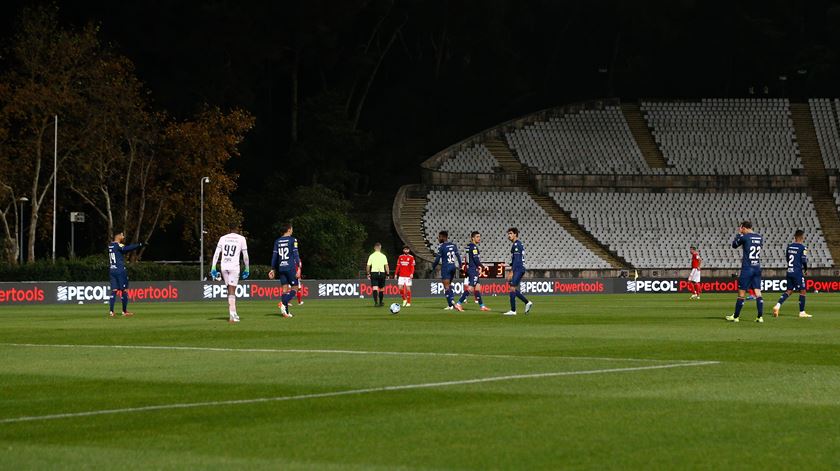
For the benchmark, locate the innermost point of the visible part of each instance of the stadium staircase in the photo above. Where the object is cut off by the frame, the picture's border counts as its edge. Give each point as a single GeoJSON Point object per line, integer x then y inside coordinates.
{"type": "Point", "coordinates": [812, 161]}
{"type": "Point", "coordinates": [408, 220]}
{"type": "Point", "coordinates": [563, 218]}
{"type": "Point", "coordinates": [509, 163]}
{"type": "Point", "coordinates": [644, 138]}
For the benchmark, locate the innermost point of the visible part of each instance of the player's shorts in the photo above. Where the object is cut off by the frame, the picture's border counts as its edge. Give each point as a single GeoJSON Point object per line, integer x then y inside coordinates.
{"type": "Point", "coordinates": [516, 277]}
{"type": "Point", "coordinates": [694, 276]}
{"type": "Point", "coordinates": [287, 278]}
{"type": "Point", "coordinates": [795, 283]}
{"type": "Point", "coordinates": [231, 277]}
{"type": "Point", "coordinates": [448, 273]}
{"type": "Point", "coordinates": [404, 281]}
{"type": "Point", "coordinates": [750, 278]}
{"type": "Point", "coordinates": [119, 280]}
{"type": "Point", "coordinates": [377, 279]}
{"type": "Point", "coordinates": [471, 279]}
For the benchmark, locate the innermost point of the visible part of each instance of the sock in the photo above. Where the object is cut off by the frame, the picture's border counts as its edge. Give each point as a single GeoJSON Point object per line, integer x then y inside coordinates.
{"type": "Point", "coordinates": [375, 297]}
{"type": "Point", "coordinates": [738, 305]}
{"type": "Point", "coordinates": [463, 297]}
{"type": "Point", "coordinates": [759, 304]}
{"type": "Point", "coordinates": [521, 296]}
{"type": "Point", "coordinates": [512, 300]}
{"type": "Point", "coordinates": [292, 295]}
{"type": "Point", "coordinates": [408, 295]}
{"type": "Point", "coordinates": [691, 287]}
{"type": "Point", "coordinates": [402, 293]}
{"type": "Point", "coordinates": [286, 298]}
{"type": "Point", "coordinates": [802, 303]}
{"type": "Point", "coordinates": [782, 299]}
{"type": "Point", "coordinates": [232, 304]}
{"type": "Point", "coordinates": [450, 297]}
{"type": "Point", "coordinates": [300, 296]}
{"type": "Point", "coordinates": [381, 296]}
{"type": "Point", "coordinates": [113, 300]}
{"type": "Point", "coordinates": [697, 288]}
{"type": "Point", "coordinates": [125, 300]}
{"type": "Point", "coordinates": [478, 297]}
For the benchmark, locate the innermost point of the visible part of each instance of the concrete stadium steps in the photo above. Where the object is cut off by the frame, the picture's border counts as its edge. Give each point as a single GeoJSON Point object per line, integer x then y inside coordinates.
{"type": "Point", "coordinates": [557, 213]}
{"type": "Point", "coordinates": [643, 136]}
{"type": "Point", "coordinates": [409, 207]}
{"type": "Point", "coordinates": [509, 163]}
{"type": "Point", "coordinates": [812, 161]}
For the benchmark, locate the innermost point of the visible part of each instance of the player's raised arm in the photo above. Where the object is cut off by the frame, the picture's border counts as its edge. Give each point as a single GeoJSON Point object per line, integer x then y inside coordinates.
{"type": "Point", "coordinates": [130, 247]}
{"type": "Point", "coordinates": [739, 240]}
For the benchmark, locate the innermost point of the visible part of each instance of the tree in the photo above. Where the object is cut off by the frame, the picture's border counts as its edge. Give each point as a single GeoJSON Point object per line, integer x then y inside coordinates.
{"type": "Point", "coordinates": [330, 240]}
{"type": "Point", "coordinates": [200, 148]}
{"type": "Point", "coordinates": [50, 72]}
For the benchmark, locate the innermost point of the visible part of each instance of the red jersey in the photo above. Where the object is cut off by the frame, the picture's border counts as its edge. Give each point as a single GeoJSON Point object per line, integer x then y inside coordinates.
{"type": "Point", "coordinates": [405, 265]}
{"type": "Point", "coordinates": [695, 260]}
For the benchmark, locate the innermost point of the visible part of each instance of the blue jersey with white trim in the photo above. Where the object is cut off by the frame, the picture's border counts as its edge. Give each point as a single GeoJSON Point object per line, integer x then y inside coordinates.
{"type": "Point", "coordinates": [752, 244]}
{"type": "Point", "coordinates": [517, 255]}
{"type": "Point", "coordinates": [797, 259]}
{"type": "Point", "coordinates": [285, 256]}
{"type": "Point", "coordinates": [447, 256]}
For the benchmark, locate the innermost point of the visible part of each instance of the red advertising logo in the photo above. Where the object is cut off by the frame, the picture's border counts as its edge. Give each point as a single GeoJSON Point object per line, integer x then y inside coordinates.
{"type": "Point", "coordinates": [15, 295]}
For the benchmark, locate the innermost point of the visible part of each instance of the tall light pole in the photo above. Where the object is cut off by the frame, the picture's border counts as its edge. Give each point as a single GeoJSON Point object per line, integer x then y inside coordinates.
{"type": "Point", "coordinates": [201, 228]}
{"type": "Point", "coordinates": [55, 185]}
{"type": "Point", "coordinates": [22, 200]}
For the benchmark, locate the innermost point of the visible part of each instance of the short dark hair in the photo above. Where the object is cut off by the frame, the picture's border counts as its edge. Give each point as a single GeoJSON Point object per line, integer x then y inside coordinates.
{"type": "Point", "coordinates": [473, 234]}
{"type": "Point", "coordinates": [746, 224]}
{"type": "Point", "coordinates": [799, 233]}
{"type": "Point", "coordinates": [233, 226]}
{"type": "Point", "coordinates": [443, 234]}
{"type": "Point", "coordinates": [285, 227]}
{"type": "Point", "coordinates": [406, 247]}
{"type": "Point", "coordinates": [377, 244]}
{"type": "Point", "coordinates": [693, 247]}
{"type": "Point", "coordinates": [514, 230]}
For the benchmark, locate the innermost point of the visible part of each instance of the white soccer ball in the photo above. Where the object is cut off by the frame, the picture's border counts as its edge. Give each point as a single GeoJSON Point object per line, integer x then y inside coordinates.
{"type": "Point", "coordinates": [394, 308]}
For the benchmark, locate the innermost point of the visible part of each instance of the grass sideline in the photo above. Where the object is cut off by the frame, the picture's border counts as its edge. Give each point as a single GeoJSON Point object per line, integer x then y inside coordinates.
{"type": "Point", "coordinates": [590, 381]}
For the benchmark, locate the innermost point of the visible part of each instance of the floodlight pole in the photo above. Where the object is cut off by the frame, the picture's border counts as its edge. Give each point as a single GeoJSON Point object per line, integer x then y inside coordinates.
{"type": "Point", "coordinates": [201, 229]}
{"type": "Point", "coordinates": [55, 184]}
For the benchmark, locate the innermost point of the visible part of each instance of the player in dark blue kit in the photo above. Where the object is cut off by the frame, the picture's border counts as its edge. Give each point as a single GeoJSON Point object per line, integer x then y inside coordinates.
{"type": "Point", "coordinates": [284, 263]}
{"type": "Point", "coordinates": [750, 276]}
{"type": "Point", "coordinates": [473, 267]}
{"type": "Point", "coordinates": [449, 260]}
{"type": "Point", "coordinates": [797, 265]}
{"type": "Point", "coordinates": [517, 270]}
{"type": "Point", "coordinates": [118, 273]}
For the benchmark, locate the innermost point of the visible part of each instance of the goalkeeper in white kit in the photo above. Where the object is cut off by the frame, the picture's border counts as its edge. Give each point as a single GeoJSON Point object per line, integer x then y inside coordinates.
{"type": "Point", "coordinates": [229, 248]}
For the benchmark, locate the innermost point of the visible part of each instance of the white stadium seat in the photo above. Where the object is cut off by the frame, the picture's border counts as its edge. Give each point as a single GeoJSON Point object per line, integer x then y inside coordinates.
{"type": "Point", "coordinates": [547, 244]}
{"type": "Point", "coordinates": [655, 230]}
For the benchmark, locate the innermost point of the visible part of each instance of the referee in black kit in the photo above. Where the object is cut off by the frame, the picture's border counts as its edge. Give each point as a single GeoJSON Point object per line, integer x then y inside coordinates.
{"type": "Point", "coordinates": [377, 272]}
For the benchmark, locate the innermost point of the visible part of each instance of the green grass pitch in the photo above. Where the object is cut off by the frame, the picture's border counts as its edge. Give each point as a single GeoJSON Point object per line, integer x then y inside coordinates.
{"type": "Point", "coordinates": [596, 382]}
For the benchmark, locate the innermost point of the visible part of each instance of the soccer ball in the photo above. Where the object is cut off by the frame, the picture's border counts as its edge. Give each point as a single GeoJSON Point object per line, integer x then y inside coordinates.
{"type": "Point", "coordinates": [394, 308]}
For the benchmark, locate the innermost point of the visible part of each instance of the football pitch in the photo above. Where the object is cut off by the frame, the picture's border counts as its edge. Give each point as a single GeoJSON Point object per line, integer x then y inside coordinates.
{"type": "Point", "coordinates": [590, 381]}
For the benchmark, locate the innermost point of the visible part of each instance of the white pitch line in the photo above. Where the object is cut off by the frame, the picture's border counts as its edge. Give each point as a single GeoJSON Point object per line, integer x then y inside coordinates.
{"type": "Point", "coordinates": [331, 352]}
{"type": "Point", "coordinates": [192, 405]}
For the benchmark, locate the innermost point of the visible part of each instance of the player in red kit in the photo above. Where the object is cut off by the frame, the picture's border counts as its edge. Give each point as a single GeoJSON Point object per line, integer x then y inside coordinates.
{"type": "Point", "coordinates": [694, 277]}
{"type": "Point", "coordinates": [300, 284]}
{"type": "Point", "coordinates": [404, 273]}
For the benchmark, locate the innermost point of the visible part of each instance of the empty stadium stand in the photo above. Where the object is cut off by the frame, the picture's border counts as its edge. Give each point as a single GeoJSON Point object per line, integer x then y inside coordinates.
{"type": "Point", "coordinates": [632, 185]}
{"type": "Point", "coordinates": [655, 230]}
{"type": "Point", "coordinates": [476, 159]}
{"type": "Point", "coordinates": [591, 141]}
{"type": "Point", "coordinates": [725, 136]}
{"type": "Point", "coordinates": [547, 244]}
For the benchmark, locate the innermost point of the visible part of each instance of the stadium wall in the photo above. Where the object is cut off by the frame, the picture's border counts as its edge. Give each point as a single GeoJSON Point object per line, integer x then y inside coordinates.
{"type": "Point", "coordinates": [38, 293]}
